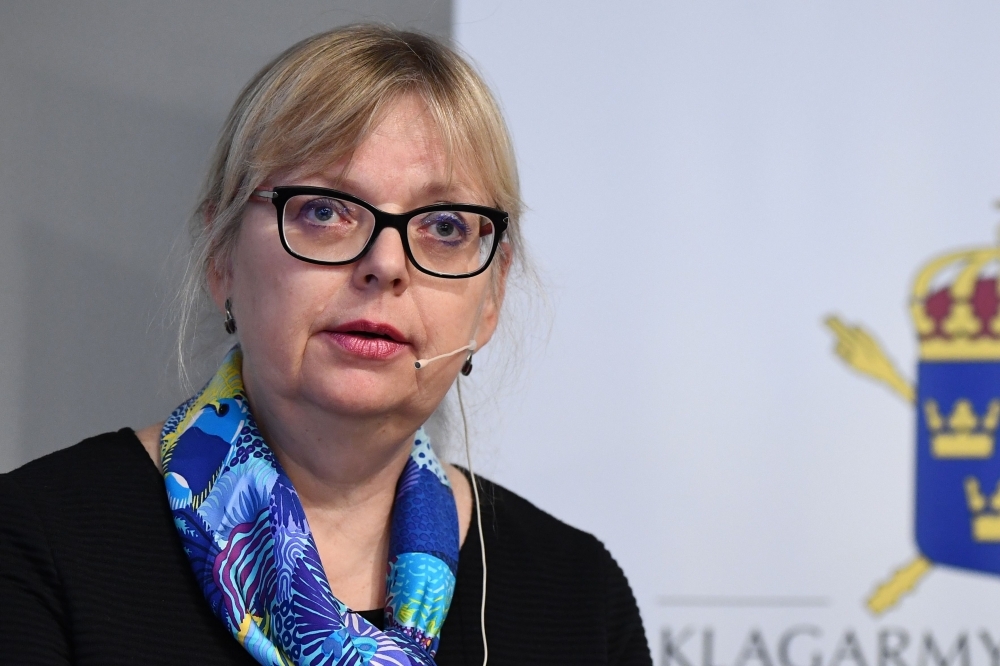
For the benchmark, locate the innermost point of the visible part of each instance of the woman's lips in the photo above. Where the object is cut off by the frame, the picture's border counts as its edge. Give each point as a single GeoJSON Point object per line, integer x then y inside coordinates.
{"type": "Point", "coordinates": [367, 346]}
{"type": "Point", "coordinates": [368, 339]}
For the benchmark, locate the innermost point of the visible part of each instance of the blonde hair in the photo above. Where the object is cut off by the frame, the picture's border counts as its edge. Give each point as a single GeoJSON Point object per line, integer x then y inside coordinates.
{"type": "Point", "coordinates": [315, 104]}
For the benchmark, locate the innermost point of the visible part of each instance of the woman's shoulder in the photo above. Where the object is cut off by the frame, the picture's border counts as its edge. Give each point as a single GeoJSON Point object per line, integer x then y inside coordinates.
{"type": "Point", "coordinates": [81, 500]}
{"type": "Point", "coordinates": [566, 559]}
{"type": "Point", "coordinates": [87, 548]}
{"type": "Point", "coordinates": [518, 522]}
{"type": "Point", "coordinates": [86, 505]}
{"type": "Point", "coordinates": [553, 592]}
{"type": "Point", "coordinates": [98, 467]}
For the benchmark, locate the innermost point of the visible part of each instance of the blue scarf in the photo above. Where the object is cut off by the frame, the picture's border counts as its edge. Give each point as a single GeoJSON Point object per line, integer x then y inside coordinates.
{"type": "Point", "coordinates": [245, 533]}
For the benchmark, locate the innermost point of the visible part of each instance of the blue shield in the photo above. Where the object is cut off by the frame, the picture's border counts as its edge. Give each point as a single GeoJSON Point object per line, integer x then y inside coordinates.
{"type": "Point", "coordinates": [958, 465]}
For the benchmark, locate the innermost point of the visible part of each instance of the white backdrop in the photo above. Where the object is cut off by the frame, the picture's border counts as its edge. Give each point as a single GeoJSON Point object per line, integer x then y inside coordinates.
{"type": "Point", "coordinates": [707, 181]}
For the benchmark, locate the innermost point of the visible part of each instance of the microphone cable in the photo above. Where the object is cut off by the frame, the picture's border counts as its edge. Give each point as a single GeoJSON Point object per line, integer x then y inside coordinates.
{"type": "Point", "coordinates": [479, 516]}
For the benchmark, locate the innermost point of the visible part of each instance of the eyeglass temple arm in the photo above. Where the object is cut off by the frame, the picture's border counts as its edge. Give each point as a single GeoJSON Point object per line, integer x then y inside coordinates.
{"type": "Point", "coordinates": [265, 194]}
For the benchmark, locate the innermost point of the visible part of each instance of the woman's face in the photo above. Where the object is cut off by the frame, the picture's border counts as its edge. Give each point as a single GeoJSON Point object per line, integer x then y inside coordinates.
{"type": "Point", "coordinates": [343, 339]}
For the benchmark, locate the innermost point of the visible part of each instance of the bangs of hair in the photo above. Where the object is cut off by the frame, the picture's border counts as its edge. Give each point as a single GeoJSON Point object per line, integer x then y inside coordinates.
{"type": "Point", "coordinates": [318, 102]}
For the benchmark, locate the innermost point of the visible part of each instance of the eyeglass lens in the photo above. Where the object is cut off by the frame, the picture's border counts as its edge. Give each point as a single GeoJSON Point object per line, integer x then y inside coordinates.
{"type": "Point", "coordinates": [330, 229]}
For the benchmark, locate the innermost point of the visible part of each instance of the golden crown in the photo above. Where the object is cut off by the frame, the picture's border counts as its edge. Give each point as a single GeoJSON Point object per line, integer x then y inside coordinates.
{"type": "Point", "coordinates": [963, 434]}
{"type": "Point", "coordinates": [961, 318]}
{"type": "Point", "coordinates": [985, 511]}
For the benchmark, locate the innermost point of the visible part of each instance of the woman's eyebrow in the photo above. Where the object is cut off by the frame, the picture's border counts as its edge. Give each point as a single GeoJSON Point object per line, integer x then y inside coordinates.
{"type": "Point", "coordinates": [452, 191]}
{"type": "Point", "coordinates": [438, 191]}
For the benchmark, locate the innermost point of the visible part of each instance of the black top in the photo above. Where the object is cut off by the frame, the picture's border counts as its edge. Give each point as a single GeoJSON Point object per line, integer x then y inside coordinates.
{"type": "Point", "coordinates": [375, 616]}
{"type": "Point", "coordinates": [92, 572]}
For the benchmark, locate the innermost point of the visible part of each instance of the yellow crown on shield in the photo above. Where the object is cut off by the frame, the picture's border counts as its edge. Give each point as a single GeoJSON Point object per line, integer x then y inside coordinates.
{"type": "Point", "coordinates": [985, 511]}
{"type": "Point", "coordinates": [963, 434]}
{"type": "Point", "coordinates": [960, 319]}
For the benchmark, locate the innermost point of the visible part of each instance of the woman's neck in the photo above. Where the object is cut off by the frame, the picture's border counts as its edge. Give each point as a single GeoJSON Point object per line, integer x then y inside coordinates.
{"type": "Point", "coordinates": [350, 523]}
{"type": "Point", "coordinates": [347, 486]}
{"type": "Point", "coordinates": [333, 462]}
{"type": "Point", "coordinates": [344, 471]}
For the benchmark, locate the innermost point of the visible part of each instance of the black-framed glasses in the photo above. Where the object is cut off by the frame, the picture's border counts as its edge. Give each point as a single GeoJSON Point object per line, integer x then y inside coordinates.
{"type": "Point", "coordinates": [324, 226]}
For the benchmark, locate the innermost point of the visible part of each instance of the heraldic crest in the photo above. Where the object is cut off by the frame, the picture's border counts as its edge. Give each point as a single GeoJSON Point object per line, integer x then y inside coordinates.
{"type": "Point", "coordinates": [955, 306]}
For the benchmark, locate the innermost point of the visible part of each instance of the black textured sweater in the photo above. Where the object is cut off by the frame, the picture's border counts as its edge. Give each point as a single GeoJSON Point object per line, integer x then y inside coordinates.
{"type": "Point", "coordinates": [92, 572]}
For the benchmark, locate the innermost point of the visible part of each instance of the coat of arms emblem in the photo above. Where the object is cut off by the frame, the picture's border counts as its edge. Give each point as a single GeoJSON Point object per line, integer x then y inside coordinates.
{"type": "Point", "coordinates": [955, 306]}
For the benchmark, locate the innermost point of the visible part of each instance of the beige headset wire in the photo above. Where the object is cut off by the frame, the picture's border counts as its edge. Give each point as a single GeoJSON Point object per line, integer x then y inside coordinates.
{"type": "Point", "coordinates": [479, 517]}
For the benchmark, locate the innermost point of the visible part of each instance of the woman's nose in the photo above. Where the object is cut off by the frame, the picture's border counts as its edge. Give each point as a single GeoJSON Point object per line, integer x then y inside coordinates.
{"type": "Point", "coordinates": [384, 265]}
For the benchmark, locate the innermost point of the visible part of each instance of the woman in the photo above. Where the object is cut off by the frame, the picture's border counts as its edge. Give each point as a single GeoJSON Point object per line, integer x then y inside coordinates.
{"type": "Point", "coordinates": [356, 231]}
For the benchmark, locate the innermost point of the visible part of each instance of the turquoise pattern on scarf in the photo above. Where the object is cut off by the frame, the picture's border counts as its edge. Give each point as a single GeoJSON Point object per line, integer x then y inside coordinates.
{"type": "Point", "coordinates": [246, 536]}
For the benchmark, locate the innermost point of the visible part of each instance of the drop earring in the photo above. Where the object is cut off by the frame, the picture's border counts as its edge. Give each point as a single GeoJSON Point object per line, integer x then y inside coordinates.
{"type": "Point", "coordinates": [230, 321]}
{"type": "Point", "coordinates": [467, 366]}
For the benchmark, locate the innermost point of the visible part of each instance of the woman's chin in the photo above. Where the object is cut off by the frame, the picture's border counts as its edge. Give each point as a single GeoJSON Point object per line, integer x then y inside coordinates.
{"type": "Point", "coordinates": [361, 392]}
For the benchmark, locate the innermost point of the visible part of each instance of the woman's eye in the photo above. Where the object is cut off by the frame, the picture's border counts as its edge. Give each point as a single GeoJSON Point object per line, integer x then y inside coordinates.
{"type": "Point", "coordinates": [323, 211]}
{"type": "Point", "coordinates": [446, 226]}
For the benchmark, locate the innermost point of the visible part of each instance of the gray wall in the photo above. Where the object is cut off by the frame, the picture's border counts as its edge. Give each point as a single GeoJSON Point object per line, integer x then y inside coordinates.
{"type": "Point", "coordinates": [108, 112]}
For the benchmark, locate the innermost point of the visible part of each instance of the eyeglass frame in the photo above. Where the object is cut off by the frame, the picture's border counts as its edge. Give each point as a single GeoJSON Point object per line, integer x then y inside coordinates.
{"type": "Point", "coordinates": [280, 195]}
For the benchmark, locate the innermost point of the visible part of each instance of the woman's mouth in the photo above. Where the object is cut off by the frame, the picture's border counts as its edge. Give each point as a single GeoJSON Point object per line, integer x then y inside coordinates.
{"type": "Point", "coordinates": [367, 339]}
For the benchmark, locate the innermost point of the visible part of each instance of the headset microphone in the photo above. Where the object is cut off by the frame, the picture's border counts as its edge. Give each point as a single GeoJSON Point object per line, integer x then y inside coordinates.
{"type": "Point", "coordinates": [466, 369]}
{"type": "Point", "coordinates": [422, 362]}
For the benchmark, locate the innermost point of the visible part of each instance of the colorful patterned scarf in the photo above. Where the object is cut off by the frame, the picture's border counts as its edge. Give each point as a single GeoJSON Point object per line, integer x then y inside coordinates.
{"type": "Point", "coordinates": [244, 530]}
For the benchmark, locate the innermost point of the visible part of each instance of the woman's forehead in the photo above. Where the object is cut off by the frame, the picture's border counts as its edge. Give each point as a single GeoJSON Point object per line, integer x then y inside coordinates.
{"type": "Point", "coordinates": [443, 180]}
{"type": "Point", "coordinates": [405, 140]}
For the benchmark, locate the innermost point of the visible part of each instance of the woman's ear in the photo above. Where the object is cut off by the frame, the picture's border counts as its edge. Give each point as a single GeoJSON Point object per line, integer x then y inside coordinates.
{"type": "Point", "coordinates": [504, 261]}
{"type": "Point", "coordinates": [494, 300]}
{"type": "Point", "coordinates": [219, 283]}
{"type": "Point", "coordinates": [217, 275]}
